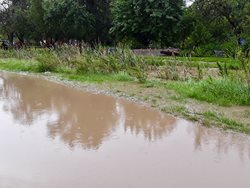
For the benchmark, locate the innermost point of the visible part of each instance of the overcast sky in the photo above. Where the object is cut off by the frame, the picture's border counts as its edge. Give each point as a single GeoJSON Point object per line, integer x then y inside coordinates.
{"type": "Point", "coordinates": [189, 2]}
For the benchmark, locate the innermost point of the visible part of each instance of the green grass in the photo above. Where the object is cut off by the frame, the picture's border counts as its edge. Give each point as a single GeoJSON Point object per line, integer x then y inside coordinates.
{"type": "Point", "coordinates": [206, 62]}
{"type": "Point", "coordinates": [225, 123]}
{"type": "Point", "coordinates": [122, 65]}
{"type": "Point", "coordinates": [221, 91]}
{"type": "Point", "coordinates": [122, 77]}
{"type": "Point", "coordinates": [18, 65]}
{"type": "Point", "coordinates": [209, 118]}
{"type": "Point", "coordinates": [196, 59]}
{"type": "Point", "coordinates": [181, 111]}
{"type": "Point", "coordinates": [96, 78]}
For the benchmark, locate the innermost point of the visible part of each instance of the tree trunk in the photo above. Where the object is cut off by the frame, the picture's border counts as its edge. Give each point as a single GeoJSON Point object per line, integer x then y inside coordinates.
{"type": "Point", "coordinates": [11, 39]}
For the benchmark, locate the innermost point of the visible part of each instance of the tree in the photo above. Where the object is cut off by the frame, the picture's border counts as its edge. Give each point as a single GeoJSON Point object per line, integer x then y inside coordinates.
{"type": "Point", "coordinates": [195, 30]}
{"type": "Point", "coordinates": [36, 17]}
{"type": "Point", "coordinates": [101, 18]}
{"type": "Point", "coordinates": [66, 19]}
{"type": "Point", "coordinates": [14, 18]}
{"type": "Point", "coordinates": [235, 12]}
{"type": "Point", "coordinates": [147, 21]}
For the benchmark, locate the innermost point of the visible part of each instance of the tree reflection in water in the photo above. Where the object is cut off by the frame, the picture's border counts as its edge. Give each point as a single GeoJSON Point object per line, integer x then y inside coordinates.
{"type": "Point", "coordinates": [81, 118]}
{"type": "Point", "coordinates": [84, 119]}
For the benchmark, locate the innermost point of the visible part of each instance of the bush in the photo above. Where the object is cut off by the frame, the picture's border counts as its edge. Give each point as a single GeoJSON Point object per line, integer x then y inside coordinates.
{"type": "Point", "coordinates": [98, 60]}
{"type": "Point", "coordinates": [47, 62]}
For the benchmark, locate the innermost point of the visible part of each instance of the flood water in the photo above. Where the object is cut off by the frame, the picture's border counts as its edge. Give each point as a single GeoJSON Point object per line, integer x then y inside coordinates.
{"type": "Point", "coordinates": [52, 136]}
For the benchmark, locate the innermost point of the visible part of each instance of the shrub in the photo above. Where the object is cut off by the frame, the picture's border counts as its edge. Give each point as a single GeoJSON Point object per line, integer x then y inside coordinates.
{"type": "Point", "coordinates": [47, 62]}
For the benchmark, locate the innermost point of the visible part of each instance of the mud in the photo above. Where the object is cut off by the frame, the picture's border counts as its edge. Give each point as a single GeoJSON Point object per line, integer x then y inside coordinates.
{"type": "Point", "coordinates": [53, 136]}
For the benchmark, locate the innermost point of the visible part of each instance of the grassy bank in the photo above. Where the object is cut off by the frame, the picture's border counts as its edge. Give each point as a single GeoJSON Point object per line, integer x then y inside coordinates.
{"type": "Point", "coordinates": [19, 65]}
{"type": "Point", "coordinates": [222, 91]}
{"type": "Point", "coordinates": [197, 97]}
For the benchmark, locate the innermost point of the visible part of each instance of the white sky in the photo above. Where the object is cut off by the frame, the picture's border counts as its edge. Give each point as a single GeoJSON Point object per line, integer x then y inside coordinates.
{"type": "Point", "coordinates": [189, 2]}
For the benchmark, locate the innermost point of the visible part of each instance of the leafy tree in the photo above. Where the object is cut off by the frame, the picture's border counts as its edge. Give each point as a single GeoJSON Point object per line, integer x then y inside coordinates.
{"type": "Point", "coordinates": [235, 12]}
{"type": "Point", "coordinates": [195, 30]}
{"type": "Point", "coordinates": [14, 18]}
{"type": "Point", "coordinates": [101, 18]}
{"type": "Point", "coordinates": [36, 19]}
{"type": "Point", "coordinates": [147, 21]}
{"type": "Point", "coordinates": [66, 19]}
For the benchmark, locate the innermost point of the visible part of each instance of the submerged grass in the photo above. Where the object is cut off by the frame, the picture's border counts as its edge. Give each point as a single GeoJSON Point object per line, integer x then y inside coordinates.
{"type": "Point", "coordinates": [209, 119]}
{"type": "Point", "coordinates": [222, 91]}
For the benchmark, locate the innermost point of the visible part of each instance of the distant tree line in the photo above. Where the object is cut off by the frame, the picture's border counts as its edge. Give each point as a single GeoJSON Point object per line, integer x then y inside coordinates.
{"type": "Point", "coordinates": [141, 23]}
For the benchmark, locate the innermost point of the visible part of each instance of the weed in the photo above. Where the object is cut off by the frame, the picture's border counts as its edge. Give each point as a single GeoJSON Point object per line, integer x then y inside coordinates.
{"type": "Point", "coordinates": [123, 76]}
{"type": "Point", "coordinates": [222, 91]}
{"type": "Point", "coordinates": [48, 62]}
{"type": "Point", "coordinates": [149, 85]}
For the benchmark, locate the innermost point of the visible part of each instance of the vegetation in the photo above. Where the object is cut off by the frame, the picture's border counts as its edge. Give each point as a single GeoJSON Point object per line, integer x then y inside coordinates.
{"type": "Point", "coordinates": [148, 23]}
{"type": "Point", "coordinates": [91, 40]}
{"type": "Point", "coordinates": [67, 59]}
{"type": "Point", "coordinates": [190, 78]}
{"type": "Point", "coordinates": [198, 30]}
{"type": "Point", "coordinates": [222, 91]}
{"type": "Point", "coordinates": [99, 65]}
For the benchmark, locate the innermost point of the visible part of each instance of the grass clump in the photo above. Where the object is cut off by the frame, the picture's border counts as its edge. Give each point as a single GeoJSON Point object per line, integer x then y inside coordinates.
{"type": "Point", "coordinates": [47, 62]}
{"type": "Point", "coordinates": [225, 122]}
{"type": "Point", "coordinates": [222, 91]}
{"type": "Point", "coordinates": [123, 77]}
{"type": "Point", "coordinates": [88, 77]}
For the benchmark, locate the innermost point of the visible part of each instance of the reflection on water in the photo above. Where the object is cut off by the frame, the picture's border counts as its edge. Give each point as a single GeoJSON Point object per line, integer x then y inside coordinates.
{"type": "Point", "coordinates": [223, 142]}
{"type": "Point", "coordinates": [51, 127]}
{"type": "Point", "coordinates": [77, 117]}
{"type": "Point", "coordinates": [87, 119]}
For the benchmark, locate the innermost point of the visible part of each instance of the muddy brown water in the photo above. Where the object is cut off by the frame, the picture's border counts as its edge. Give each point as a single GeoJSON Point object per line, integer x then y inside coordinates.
{"type": "Point", "coordinates": [52, 136]}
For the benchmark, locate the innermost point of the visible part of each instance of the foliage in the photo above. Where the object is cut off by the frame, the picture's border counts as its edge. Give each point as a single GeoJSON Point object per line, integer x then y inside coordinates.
{"type": "Point", "coordinates": [75, 18]}
{"type": "Point", "coordinates": [148, 22]}
{"type": "Point", "coordinates": [244, 58]}
{"type": "Point", "coordinates": [98, 60]}
{"type": "Point", "coordinates": [234, 12]}
{"type": "Point", "coordinates": [215, 25]}
{"type": "Point", "coordinates": [39, 20]}
{"type": "Point", "coordinates": [200, 29]}
{"type": "Point", "coordinates": [47, 62]}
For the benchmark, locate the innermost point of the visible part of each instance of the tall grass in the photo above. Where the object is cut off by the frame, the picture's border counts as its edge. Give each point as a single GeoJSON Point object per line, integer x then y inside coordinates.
{"type": "Point", "coordinates": [98, 60]}
{"type": "Point", "coordinates": [244, 57]}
